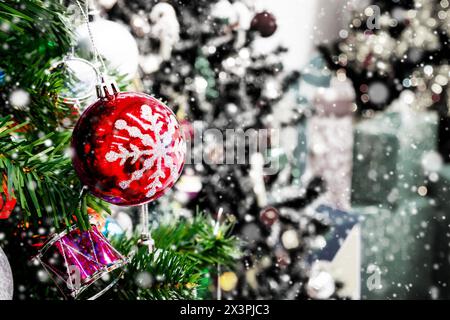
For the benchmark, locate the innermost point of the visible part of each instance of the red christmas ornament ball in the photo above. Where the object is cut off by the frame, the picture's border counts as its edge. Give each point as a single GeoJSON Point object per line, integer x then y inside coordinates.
{"type": "Point", "coordinates": [128, 148]}
{"type": "Point", "coordinates": [7, 202]}
{"type": "Point", "coordinates": [265, 23]}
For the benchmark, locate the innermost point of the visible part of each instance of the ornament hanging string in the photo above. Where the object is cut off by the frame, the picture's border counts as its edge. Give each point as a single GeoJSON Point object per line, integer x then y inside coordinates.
{"type": "Point", "coordinates": [81, 198]}
{"type": "Point", "coordinates": [146, 237]}
{"type": "Point", "coordinates": [216, 232]}
{"type": "Point", "coordinates": [97, 56]}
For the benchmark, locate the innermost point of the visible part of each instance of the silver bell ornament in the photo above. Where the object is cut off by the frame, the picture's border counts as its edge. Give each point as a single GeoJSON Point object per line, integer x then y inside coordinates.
{"type": "Point", "coordinates": [79, 86]}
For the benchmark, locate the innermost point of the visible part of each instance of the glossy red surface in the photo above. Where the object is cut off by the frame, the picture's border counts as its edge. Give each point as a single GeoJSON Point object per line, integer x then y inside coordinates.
{"type": "Point", "coordinates": [128, 149]}
{"type": "Point", "coordinates": [7, 202]}
{"type": "Point", "coordinates": [265, 23]}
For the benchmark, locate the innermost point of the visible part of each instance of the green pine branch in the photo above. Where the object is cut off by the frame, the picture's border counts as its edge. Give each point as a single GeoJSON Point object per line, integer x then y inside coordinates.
{"type": "Point", "coordinates": [40, 175]}
{"type": "Point", "coordinates": [197, 239]}
{"type": "Point", "coordinates": [33, 33]}
{"type": "Point", "coordinates": [36, 161]}
{"type": "Point", "coordinates": [185, 248]}
{"type": "Point", "coordinates": [171, 276]}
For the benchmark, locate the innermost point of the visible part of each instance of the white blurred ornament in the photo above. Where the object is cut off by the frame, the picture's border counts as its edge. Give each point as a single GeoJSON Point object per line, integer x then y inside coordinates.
{"type": "Point", "coordinates": [107, 4]}
{"type": "Point", "coordinates": [290, 239]}
{"type": "Point", "coordinates": [432, 161]}
{"type": "Point", "coordinates": [124, 221]}
{"type": "Point", "coordinates": [139, 25]}
{"type": "Point", "coordinates": [378, 92]}
{"type": "Point", "coordinates": [19, 99]}
{"type": "Point", "coordinates": [237, 64]}
{"type": "Point", "coordinates": [165, 27]}
{"type": "Point", "coordinates": [257, 178]}
{"type": "Point", "coordinates": [150, 63]}
{"type": "Point", "coordinates": [200, 85]}
{"type": "Point", "coordinates": [272, 89]}
{"type": "Point", "coordinates": [244, 15]}
{"type": "Point", "coordinates": [224, 10]}
{"type": "Point", "coordinates": [408, 97]}
{"type": "Point", "coordinates": [231, 108]}
{"type": "Point", "coordinates": [320, 284]}
{"type": "Point", "coordinates": [189, 184]}
{"type": "Point", "coordinates": [144, 280]}
{"type": "Point", "coordinates": [113, 42]}
{"type": "Point", "coordinates": [6, 279]}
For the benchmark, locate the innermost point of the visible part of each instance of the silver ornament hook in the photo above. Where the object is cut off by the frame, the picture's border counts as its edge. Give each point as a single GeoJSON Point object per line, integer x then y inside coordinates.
{"type": "Point", "coordinates": [219, 268]}
{"type": "Point", "coordinates": [106, 89]}
{"type": "Point", "coordinates": [146, 237]}
{"type": "Point", "coordinates": [97, 56]}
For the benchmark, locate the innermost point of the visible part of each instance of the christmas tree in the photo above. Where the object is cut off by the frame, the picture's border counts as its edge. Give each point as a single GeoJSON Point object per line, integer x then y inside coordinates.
{"type": "Point", "coordinates": [200, 59]}
{"type": "Point", "coordinates": [42, 194]}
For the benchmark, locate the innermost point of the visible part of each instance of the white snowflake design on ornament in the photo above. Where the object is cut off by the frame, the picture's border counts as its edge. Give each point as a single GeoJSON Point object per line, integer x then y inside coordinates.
{"type": "Point", "coordinates": [160, 151]}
